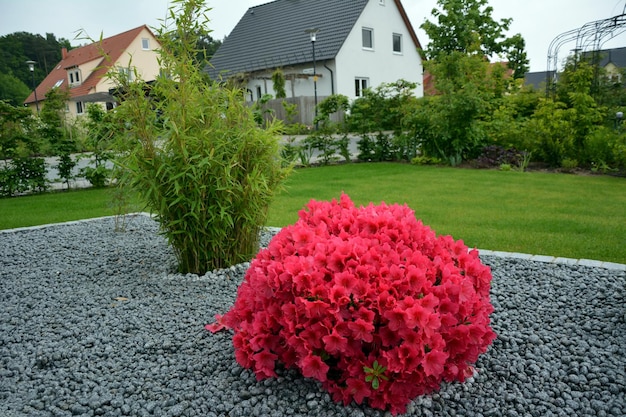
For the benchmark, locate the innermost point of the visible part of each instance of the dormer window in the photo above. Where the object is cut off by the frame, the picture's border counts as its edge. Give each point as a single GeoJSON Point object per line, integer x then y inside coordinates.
{"type": "Point", "coordinates": [74, 76]}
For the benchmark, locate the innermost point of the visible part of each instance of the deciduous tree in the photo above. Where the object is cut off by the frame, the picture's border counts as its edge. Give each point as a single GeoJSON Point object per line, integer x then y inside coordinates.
{"type": "Point", "coordinates": [467, 26]}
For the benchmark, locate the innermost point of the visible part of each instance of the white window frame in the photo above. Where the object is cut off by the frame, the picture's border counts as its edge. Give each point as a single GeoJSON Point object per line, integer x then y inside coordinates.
{"type": "Point", "coordinates": [74, 76]}
{"type": "Point", "coordinates": [80, 109]}
{"type": "Point", "coordinates": [145, 44]}
{"type": "Point", "coordinates": [360, 84]}
{"type": "Point", "coordinates": [393, 43]}
{"type": "Point", "coordinates": [371, 38]}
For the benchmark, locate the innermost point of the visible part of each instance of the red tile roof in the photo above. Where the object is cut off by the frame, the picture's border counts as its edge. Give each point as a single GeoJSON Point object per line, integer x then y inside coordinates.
{"type": "Point", "coordinates": [114, 47]}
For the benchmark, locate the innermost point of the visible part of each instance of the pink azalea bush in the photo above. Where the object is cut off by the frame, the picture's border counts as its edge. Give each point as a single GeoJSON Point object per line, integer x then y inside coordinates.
{"type": "Point", "coordinates": [368, 301]}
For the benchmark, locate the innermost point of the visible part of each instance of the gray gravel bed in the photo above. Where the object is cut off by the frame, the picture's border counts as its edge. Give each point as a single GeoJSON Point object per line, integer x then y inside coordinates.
{"type": "Point", "coordinates": [96, 322]}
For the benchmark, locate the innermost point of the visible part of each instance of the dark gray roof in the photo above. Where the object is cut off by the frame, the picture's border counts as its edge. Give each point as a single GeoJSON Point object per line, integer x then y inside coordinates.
{"type": "Point", "coordinates": [272, 35]}
{"type": "Point", "coordinates": [537, 79]}
{"type": "Point", "coordinates": [617, 56]}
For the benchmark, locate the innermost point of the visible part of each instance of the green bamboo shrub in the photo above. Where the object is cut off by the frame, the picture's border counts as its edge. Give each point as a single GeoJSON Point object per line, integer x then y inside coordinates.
{"type": "Point", "coordinates": [194, 152]}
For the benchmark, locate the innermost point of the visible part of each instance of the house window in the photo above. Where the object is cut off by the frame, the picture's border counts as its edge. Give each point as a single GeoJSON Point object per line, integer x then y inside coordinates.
{"type": "Point", "coordinates": [397, 43]}
{"type": "Point", "coordinates": [259, 92]}
{"type": "Point", "coordinates": [74, 75]}
{"type": "Point", "coordinates": [126, 73]}
{"type": "Point", "coordinates": [360, 84]}
{"type": "Point", "coordinates": [58, 84]}
{"type": "Point", "coordinates": [145, 44]}
{"type": "Point", "coordinates": [381, 2]}
{"type": "Point", "coordinates": [368, 38]}
{"type": "Point", "coordinates": [79, 107]}
{"type": "Point", "coordinates": [164, 74]}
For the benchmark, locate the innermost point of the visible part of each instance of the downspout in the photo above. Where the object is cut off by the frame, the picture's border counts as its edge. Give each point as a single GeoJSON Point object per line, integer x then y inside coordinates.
{"type": "Point", "coordinates": [332, 80]}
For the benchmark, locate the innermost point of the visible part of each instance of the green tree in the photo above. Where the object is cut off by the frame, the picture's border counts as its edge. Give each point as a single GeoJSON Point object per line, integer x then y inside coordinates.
{"type": "Point", "coordinates": [15, 127]}
{"type": "Point", "coordinates": [449, 125]}
{"type": "Point", "coordinates": [52, 115]}
{"type": "Point", "coordinates": [55, 131]}
{"type": "Point", "coordinates": [13, 90]}
{"type": "Point", "coordinates": [505, 124]}
{"type": "Point", "coordinates": [206, 46]}
{"type": "Point", "coordinates": [195, 153]}
{"type": "Point", "coordinates": [550, 131]}
{"type": "Point", "coordinates": [19, 47]}
{"type": "Point", "coordinates": [382, 108]}
{"type": "Point", "coordinates": [380, 111]}
{"type": "Point", "coordinates": [467, 26]}
{"type": "Point", "coordinates": [100, 136]}
{"type": "Point", "coordinates": [515, 47]}
{"type": "Point", "coordinates": [20, 172]}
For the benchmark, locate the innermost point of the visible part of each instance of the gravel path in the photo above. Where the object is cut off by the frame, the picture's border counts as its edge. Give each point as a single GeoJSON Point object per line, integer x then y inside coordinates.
{"type": "Point", "coordinates": [95, 322]}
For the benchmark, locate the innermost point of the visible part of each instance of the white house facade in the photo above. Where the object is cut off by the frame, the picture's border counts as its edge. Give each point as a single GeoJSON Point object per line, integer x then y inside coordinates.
{"type": "Point", "coordinates": [359, 44]}
{"type": "Point", "coordinates": [379, 49]}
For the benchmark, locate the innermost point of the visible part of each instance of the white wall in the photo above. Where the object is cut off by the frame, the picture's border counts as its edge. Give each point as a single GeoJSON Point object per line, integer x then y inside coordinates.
{"type": "Point", "coordinates": [380, 64]}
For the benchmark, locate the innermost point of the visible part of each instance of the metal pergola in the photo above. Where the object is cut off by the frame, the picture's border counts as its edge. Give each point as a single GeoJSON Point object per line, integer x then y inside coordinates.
{"type": "Point", "coordinates": [589, 38]}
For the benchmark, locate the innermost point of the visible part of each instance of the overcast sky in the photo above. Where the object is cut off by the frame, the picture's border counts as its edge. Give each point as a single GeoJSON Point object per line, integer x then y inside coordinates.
{"type": "Point", "coordinates": [539, 21]}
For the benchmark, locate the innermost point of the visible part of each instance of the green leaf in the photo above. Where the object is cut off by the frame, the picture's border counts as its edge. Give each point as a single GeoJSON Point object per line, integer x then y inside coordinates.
{"type": "Point", "coordinates": [375, 383]}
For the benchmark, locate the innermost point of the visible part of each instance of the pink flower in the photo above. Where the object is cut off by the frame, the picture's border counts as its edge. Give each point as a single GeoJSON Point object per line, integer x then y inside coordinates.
{"type": "Point", "coordinates": [312, 366]}
{"type": "Point", "coordinates": [396, 317]}
{"type": "Point", "coordinates": [264, 364]}
{"type": "Point", "coordinates": [362, 330]}
{"type": "Point", "coordinates": [217, 326]}
{"type": "Point", "coordinates": [316, 308]}
{"type": "Point", "coordinates": [347, 286]}
{"type": "Point", "coordinates": [358, 389]}
{"type": "Point", "coordinates": [433, 362]}
{"type": "Point", "coordinates": [334, 343]}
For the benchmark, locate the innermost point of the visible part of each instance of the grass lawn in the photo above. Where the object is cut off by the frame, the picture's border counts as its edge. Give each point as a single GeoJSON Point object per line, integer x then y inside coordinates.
{"type": "Point", "coordinates": [564, 215]}
{"type": "Point", "coordinates": [58, 206]}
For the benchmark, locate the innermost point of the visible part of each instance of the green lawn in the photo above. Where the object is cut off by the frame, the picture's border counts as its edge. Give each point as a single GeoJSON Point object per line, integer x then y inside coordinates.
{"type": "Point", "coordinates": [58, 206]}
{"type": "Point", "coordinates": [550, 214]}
{"type": "Point", "coordinates": [540, 213]}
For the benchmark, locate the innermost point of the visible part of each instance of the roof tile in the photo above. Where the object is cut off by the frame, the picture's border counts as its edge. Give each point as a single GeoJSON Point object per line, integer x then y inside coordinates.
{"type": "Point", "coordinates": [273, 35]}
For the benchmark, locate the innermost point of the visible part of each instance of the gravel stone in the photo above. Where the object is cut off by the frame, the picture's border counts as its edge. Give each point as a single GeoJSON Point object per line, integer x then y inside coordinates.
{"type": "Point", "coordinates": [98, 322]}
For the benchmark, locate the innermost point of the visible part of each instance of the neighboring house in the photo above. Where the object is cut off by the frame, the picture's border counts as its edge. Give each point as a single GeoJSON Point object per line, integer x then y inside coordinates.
{"type": "Point", "coordinates": [82, 70]}
{"type": "Point", "coordinates": [612, 60]}
{"type": "Point", "coordinates": [360, 44]}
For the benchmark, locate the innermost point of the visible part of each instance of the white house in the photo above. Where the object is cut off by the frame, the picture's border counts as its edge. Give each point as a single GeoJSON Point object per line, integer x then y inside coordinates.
{"type": "Point", "coordinates": [358, 44]}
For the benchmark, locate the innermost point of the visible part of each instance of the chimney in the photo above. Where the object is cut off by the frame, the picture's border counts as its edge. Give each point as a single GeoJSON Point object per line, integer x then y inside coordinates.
{"type": "Point", "coordinates": [63, 53]}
